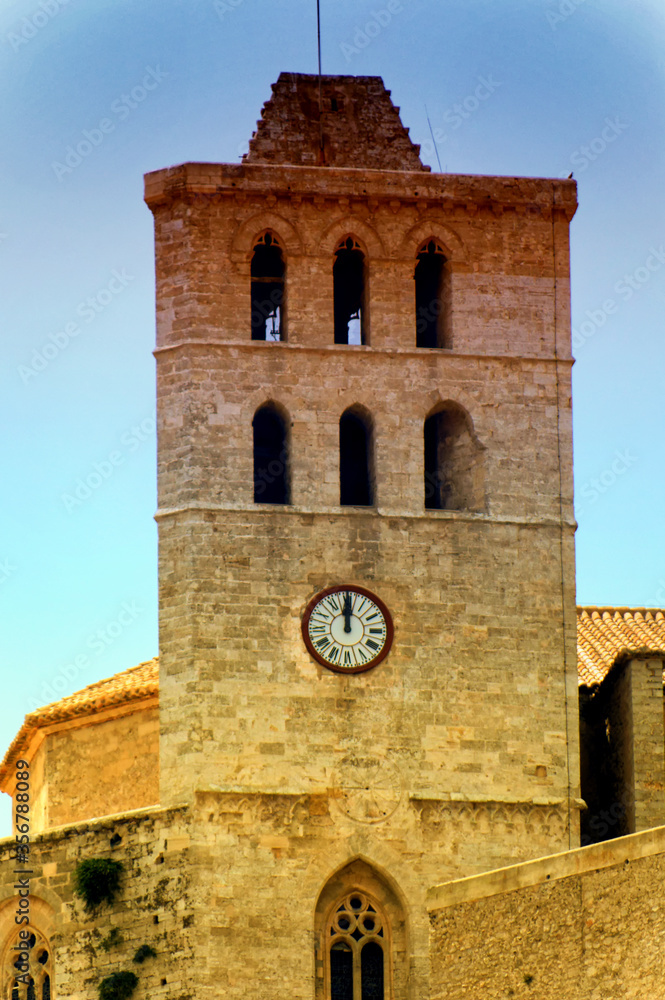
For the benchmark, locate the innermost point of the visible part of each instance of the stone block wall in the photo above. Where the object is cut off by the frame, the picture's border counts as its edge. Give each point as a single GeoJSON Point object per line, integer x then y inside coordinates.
{"type": "Point", "coordinates": [587, 925]}
{"type": "Point", "coordinates": [96, 765]}
{"type": "Point", "coordinates": [235, 892]}
{"type": "Point", "coordinates": [648, 739]}
{"type": "Point", "coordinates": [155, 905]}
{"type": "Point", "coordinates": [480, 687]}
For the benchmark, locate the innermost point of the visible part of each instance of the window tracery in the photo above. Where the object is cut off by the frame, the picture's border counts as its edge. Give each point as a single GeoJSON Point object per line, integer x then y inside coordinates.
{"type": "Point", "coordinates": [40, 970]}
{"type": "Point", "coordinates": [357, 939]}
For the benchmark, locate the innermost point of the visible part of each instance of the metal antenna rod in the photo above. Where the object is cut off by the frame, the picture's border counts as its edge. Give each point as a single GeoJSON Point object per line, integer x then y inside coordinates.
{"type": "Point", "coordinates": [436, 148]}
{"type": "Point", "coordinates": [318, 38]}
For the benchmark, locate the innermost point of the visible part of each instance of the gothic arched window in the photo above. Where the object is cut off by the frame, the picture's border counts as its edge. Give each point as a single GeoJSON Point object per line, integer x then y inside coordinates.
{"type": "Point", "coordinates": [355, 460]}
{"type": "Point", "coordinates": [267, 289]}
{"type": "Point", "coordinates": [432, 294]}
{"type": "Point", "coordinates": [271, 457]}
{"type": "Point", "coordinates": [350, 293]}
{"type": "Point", "coordinates": [454, 478]}
{"type": "Point", "coordinates": [357, 937]}
{"type": "Point", "coordinates": [39, 970]}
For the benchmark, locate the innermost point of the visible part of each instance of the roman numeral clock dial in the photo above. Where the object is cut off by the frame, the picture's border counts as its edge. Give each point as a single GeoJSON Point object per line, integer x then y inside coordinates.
{"type": "Point", "coordinates": [347, 629]}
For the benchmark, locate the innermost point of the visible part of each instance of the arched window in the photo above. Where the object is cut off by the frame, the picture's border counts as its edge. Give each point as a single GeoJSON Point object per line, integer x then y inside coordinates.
{"type": "Point", "coordinates": [350, 293]}
{"type": "Point", "coordinates": [39, 969]}
{"type": "Point", "coordinates": [267, 289]}
{"type": "Point", "coordinates": [454, 477]}
{"type": "Point", "coordinates": [432, 294]}
{"type": "Point", "coordinates": [355, 460]}
{"type": "Point", "coordinates": [271, 458]}
{"type": "Point", "coordinates": [356, 940]}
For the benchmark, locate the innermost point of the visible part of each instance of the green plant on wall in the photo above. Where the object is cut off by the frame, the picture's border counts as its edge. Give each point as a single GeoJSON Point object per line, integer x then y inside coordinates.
{"type": "Point", "coordinates": [118, 986]}
{"type": "Point", "coordinates": [145, 951]}
{"type": "Point", "coordinates": [113, 938]}
{"type": "Point", "coordinates": [96, 881]}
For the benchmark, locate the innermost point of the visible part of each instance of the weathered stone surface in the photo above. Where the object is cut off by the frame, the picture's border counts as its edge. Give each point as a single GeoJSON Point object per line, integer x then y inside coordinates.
{"type": "Point", "coordinates": [587, 925]}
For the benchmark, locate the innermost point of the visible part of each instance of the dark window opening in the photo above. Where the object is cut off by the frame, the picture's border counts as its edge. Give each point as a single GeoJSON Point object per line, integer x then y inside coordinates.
{"type": "Point", "coordinates": [267, 290]}
{"type": "Point", "coordinates": [371, 971]}
{"type": "Point", "coordinates": [607, 759]}
{"type": "Point", "coordinates": [271, 472]}
{"type": "Point", "coordinates": [341, 971]}
{"type": "Point", "coordinates": [349, 294]}
{"type": "Point", "coordinates": [46, 988]}
{"type": "Point", "coordinates": [432, 292]}
{"type": "Point", "coordinates": [355, 481]}
{"type": "Point", "coordinates": [453, 463]}
{"type": "Point", "coordinates": [434, 484]}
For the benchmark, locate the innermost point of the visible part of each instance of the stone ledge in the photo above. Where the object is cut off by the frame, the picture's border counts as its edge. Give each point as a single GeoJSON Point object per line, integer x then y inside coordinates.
{"type": "Point", "coordinates": [609, 854]}
{"type": "Point", "coordinates": [401, 352]}
{"type": "Point", "coordinates": [459, 191]}
{"type": "Point", "coordinates": [287, 509]}
{"type": "Point", "coordinates": [99, 823]}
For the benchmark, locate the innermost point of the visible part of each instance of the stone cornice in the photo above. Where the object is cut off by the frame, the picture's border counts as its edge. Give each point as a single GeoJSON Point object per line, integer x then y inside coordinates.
{"type": "Point", "coordinates": [401, 352]}
{"type": "Point", "coordinates": [393, 189]}
{"type": "Point", "coordinates": [408, 515]}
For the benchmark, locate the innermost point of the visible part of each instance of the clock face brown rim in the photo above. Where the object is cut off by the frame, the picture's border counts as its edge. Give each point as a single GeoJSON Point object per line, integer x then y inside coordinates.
{"type": "Point", "coordinates": [343, 588]}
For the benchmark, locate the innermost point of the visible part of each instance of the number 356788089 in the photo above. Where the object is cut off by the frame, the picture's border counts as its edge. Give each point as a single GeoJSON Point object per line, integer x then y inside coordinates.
{"type": "Point", "coordinates": [22, 800]}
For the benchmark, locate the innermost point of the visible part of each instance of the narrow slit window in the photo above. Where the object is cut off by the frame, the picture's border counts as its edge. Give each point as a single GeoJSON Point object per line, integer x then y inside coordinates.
{"type": "Point", "coordinates": [271, 465]}
{"type": "Point", "coordinates": [355, 457]}
{"type": "Point", "coordinates": [267, 290]}
{"type": "Point", "coordinates": [432, 294]}
{"type": "Point", "coordinates": [349, 291]}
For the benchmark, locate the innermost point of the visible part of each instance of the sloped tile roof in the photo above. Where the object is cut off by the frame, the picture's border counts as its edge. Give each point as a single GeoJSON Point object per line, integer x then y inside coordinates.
{"type": "Point", "coordinates": [135, 684]}
{"type": "Point", "coordinates": [607, 634]}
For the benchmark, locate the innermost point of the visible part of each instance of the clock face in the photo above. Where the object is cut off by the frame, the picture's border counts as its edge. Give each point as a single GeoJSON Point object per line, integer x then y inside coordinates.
{"type": "Point", "coordinates": [347, 629]}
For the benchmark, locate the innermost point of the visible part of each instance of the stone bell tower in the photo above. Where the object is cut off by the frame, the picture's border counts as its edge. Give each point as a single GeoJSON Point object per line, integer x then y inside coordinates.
{"type": "Point", "coordinates": [363, 394]}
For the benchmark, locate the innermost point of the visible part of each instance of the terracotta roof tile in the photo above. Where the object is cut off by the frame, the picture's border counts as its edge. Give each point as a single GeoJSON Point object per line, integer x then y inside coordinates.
{"type": "Point", "coordinates": [605, 635]}
{"type": "Point", "coordinates": [134, 684]}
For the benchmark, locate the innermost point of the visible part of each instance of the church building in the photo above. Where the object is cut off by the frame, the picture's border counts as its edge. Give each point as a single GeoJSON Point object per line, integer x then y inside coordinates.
{"type": "Point", "coordinates": [364, 724]}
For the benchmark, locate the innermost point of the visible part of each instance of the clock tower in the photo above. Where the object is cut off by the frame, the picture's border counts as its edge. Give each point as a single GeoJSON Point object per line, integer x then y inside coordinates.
{"type": "Point", "coordinates": [367, 610]}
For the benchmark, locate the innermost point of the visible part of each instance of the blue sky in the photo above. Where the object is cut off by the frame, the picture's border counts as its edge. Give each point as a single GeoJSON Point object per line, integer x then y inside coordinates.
{"type": "Point", "coordinates": [568, 85]}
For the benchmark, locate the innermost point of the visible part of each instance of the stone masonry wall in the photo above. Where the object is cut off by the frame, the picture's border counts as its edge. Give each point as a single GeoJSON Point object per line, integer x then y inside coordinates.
{"type": "Point", "coordinates": [227, 891]}
{"type": "Point", "coordinates": [648, 738]}
{"type": "Point", "coordinates": [472, 701]}
{"type": "Point", "coordinates": [116, 764]}
{"type": "Point", "coordinates": [459, 707]}
{"type": "Point", "coordinates": [114, 757]}
{"type": "Point", "coordinates": [155, 906]}
{"type": "Point", "coordinates": [588, 925]}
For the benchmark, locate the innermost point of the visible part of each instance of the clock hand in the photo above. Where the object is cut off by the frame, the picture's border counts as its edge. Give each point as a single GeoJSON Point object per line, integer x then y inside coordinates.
{"type": "Point", "coordinates": [346, 611]}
